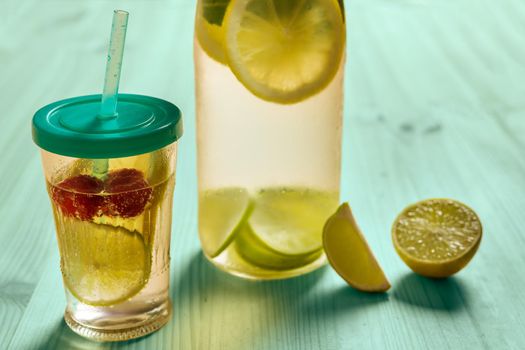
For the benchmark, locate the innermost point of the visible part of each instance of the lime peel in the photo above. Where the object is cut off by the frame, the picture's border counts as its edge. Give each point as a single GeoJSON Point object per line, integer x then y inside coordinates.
{"type": "Point", "coordinates": [222, 213]}
{"type": "Point", "coordinates": [252, 249]}
{"type": "Point", "coordinates": [289, 221]}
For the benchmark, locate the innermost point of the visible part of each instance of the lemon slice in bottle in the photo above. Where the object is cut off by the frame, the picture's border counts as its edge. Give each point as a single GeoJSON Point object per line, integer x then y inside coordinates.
{"type": "Point", "coordinates": [209, 29]}
{"type": "Point", "coordinates": [284, 51]}
{"type": "Point", "coordinates": [222, 213]}
{"type": "Point", "coordinates": [102, 265]}
{"type": "Point", "coordinates": [285, 227]}
{"type": "Point", "coordinates": [437, 237]}
{"type": "Point", "coordinates": [349, 253]}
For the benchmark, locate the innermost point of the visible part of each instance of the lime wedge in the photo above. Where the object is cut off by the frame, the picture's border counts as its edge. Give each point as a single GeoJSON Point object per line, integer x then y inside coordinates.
{"type": "Point", "coordinates": [221, 214]}
{"type": "Point", "coordinates": [253, 250]}
{"type": "Point", "coordinates": [213, 10]}
{"type": "Point", "coordinates": [209, 29]}
{"type": "Point", "coordinates": [102, 265]}
{"type": "Point", "coordinates": [290, 221]}
{"type": "Point", "coordinates": [134, 224]}
{"type": "Point", "coordinates": [349, 253]}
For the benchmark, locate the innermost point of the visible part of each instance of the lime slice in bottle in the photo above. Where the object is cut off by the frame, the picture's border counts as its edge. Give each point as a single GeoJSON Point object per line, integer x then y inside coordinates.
{"type": "Point", "coordinates": [290, 221]}
{"type": "Point", "coordinates": [209, 29]}
{"type": "Point", "coordinates": [284, 51]}
{"type": "Point", "coordinates": [222, 213]}
{"type": "Point", "coordinates": [256, 252]}
{"type": "Point", "coordinates": [285, 228]}
{"type": "Point", "coordinates": [102, 265]}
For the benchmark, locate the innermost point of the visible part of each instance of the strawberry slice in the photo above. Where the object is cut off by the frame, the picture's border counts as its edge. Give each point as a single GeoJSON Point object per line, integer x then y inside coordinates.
{"type": "Point", "coordinates": [78, 196]}
{"type": "Point", "coordinates": [128, 193]}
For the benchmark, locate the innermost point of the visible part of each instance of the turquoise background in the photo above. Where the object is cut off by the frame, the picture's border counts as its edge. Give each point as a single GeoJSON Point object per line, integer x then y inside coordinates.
{"type": "Point", "coordinates": [435, 107]}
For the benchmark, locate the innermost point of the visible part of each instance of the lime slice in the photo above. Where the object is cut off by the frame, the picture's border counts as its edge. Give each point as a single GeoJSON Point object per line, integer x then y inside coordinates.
{"type": "Point", "coordinates": [221, 213]}
{"type": "Point", "coordinates": [437, 237]}
{"type": "Point", "coordinates": [102, 265]}
{"type": "Point", "coordinates": [290, 221]}
{"type": "Point", "coordinates": [284, 51]}
{"type": "Point", "coordinates": [213, 10]}
{"type": "Point", "coordinates": [134, 224]}
{"type": "Point", "coordinates": [349, 253]}
{"type": "Point", "coordinates": [253, 250]}
{"type": "Point", "coordinates": [208, 27]}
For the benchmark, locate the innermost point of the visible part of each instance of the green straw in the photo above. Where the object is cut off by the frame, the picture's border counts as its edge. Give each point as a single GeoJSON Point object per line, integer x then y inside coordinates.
{"type": "Point", "coordinates": [108, 105]}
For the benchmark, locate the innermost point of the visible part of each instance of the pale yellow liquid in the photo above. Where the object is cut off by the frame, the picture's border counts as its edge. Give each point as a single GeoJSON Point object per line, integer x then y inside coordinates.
{"type": "Point", "coordinates": [85, 245]}
{"type": "Point", "coordinates": [290, 252]}
{"type": "Point", "coordinates": [249, 143]}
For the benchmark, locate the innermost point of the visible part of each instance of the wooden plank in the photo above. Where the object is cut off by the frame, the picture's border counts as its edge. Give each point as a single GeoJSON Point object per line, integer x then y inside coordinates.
{"type": "Point", "coordinates": [477, 308]}
{"type": "Point", "coordinates": [70, 45]}
{"type": "Point", "coordinates": [434, 108]}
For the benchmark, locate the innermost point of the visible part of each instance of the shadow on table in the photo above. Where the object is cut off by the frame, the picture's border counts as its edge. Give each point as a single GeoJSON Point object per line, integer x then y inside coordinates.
{"type": "Point", "coordinates": [437, 294]}
{"type": "Point", "coordinates": [212, 309]}
{"type": "Point", "coordinates": [344, 301]}
{"type": "Point", "coordinates": [63, 338]}
{"type": "Point", "coordinates": [215, 308]}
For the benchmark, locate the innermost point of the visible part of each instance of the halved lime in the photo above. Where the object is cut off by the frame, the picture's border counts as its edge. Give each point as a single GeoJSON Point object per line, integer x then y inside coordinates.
{"type": "Point", "coordinates": [437, 237]}
{"type": "Point", "coordinates": [221, 214]}
{"type": "Point", "coordinates": [102, 265]}
{"type": "Point", "coordinates": [290, 221]}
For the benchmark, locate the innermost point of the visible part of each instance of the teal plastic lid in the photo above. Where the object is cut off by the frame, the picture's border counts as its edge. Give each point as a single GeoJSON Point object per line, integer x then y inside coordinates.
{"type": "Point", "coordinates": [72, 127]}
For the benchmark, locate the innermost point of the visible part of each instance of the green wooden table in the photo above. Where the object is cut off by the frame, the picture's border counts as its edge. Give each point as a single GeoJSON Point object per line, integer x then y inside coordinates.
{"type": "Point", "coordinates": [435, 107]}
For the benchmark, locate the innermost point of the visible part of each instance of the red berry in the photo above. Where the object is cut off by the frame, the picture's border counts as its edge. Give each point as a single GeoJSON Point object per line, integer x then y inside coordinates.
{"type": "Point", "coordinates": [78, 196]}
{"type": "Point", "coordinates": [128, 192]}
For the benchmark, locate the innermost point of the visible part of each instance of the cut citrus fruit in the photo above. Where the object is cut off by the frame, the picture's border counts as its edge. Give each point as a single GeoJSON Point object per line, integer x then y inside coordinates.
{"type": "Point", "coordinates": [209, 29]}
{"type": "Point", "coordinates": [349, 254]}
{"type": "Point", "coordinates": [221, 214]}
{"type": "Point", "coordinates": [284, 51]}
{"type": "Point", "coordinates": [290, 221]}
{"type": "Point", "coordinates": [136, 223]}
{"type": "Point", "coordinates": [213, 10]}
{"type": "Point", "coordinates": [102, 265]}
{"type": "Point", "coordinates": [437, 237]}
{"type": "Point", "coordinates": [253, 250]}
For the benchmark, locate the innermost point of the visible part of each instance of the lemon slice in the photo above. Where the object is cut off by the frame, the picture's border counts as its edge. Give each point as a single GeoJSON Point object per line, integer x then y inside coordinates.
{"type": "Point", "coordinates": [221, 214]}
{"type": "Point", "coordinates": [253, 250]}
{"type": "Point", "coordinates": [284, 51]}
{"type": "Point", "coordinates": [209, 29]}
{"type": "Point", "coordinates": [350, 255]}
{"type": "Point", "coordinates": [102, 265]}
{"type": "Point", "coordinates": [437, 237]}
